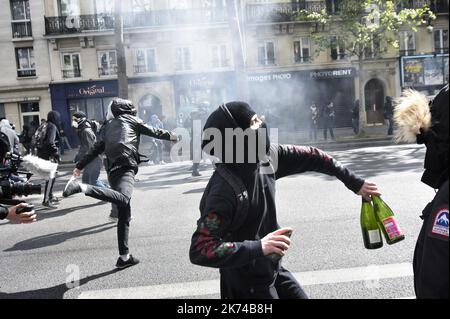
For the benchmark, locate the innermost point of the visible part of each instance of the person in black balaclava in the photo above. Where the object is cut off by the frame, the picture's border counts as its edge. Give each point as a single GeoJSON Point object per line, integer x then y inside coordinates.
{"type": "Point", "coordinates": [238, 231]}
{"type": "Point", "coordinates": [87, 138]}
{"type": "Point", "coordinates": [427, 123]}
{"type": "Point", "coordinates": [119, 139]}
{"type": "Point", "coordinates": [48, 150]}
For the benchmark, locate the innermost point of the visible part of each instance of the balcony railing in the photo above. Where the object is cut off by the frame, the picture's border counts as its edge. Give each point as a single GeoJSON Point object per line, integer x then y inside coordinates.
{"type": "Point", "coordinates": [144, 68]}
{"type": "Point", "coordinates": [280, 12]}
{"type": "Point", "coordinates": [26, 73]}
{"type": "Point", "coordinates": [103, 22]}
{"type": "Point", "coordinates": [21, 29]}
{"type": "Point", "coordinates": [106, 71]}
{"type": "Point", "coordinates": [70, 74]}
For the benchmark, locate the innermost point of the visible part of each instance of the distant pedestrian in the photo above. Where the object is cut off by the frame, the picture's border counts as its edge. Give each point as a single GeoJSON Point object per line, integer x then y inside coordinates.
{"type": "Point", "coordinates": [355, 117]}
{"type": "Point", "coordinates": [87, 138]}
{"type": "Point", "coordinates": [46, 139]}
{"type": "Point", "coordinates": [389, 115]}
{"type": "Point", "coordinates": [313, 118]}
{"type": "Point", "coordinates": [26, 138]}
{"type": "Point", "coordinates": [329, 118]}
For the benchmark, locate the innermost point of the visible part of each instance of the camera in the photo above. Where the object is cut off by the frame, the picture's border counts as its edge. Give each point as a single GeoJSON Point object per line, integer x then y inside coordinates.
{"type": "Point", "coordinates": [10, 189]}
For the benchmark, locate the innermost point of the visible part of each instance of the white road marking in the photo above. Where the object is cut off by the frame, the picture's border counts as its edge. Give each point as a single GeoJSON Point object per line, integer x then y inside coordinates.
{"type": "Point", "coordinates": [369, 273]}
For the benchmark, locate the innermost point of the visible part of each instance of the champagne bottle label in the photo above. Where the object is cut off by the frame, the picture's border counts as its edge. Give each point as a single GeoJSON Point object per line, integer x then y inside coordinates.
{"type": "Point", "coordinates": [374, 236]}
{"type": "Point", "coordinates": [392, 228]}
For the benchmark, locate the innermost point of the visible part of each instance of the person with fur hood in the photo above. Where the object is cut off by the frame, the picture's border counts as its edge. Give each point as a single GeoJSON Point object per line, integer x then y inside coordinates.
{"type": "Point", "coordinates": [423, 122]}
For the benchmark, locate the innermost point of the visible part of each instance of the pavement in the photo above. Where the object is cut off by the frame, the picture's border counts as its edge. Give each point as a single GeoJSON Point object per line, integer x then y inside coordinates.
{"type": "Point", "coordinates": [71, 251]}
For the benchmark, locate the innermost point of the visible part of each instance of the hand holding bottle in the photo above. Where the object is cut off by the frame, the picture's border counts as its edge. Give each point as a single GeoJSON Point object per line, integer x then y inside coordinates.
{"type": "Point", "coordinates": [277, 243]}
{"type": "Point", "coordinates": [368, 190]}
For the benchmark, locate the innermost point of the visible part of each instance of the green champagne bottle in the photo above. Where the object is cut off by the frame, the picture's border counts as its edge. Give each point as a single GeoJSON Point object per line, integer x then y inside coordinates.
{"type": "Point", "coordinates": [369, 226]}
{"type": "Point", "coordinates": [387, 222]}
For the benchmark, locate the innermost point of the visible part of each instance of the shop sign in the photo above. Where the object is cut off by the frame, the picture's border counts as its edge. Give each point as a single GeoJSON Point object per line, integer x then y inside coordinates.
{"type": "Point", "coordinates": [332, 74]}
{"type": "Point", "coordinates": [270, 77]}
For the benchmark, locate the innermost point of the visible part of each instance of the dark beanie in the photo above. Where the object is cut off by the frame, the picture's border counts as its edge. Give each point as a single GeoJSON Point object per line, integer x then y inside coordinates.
{"type": "Point", "coordinates": [79, 115]}
{"type": "Point", "coordinates": [242, 113]}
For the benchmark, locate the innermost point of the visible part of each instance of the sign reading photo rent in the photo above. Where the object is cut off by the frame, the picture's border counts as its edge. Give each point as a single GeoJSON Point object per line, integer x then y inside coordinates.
{"type": "Point", "coordinates": [423, 71]}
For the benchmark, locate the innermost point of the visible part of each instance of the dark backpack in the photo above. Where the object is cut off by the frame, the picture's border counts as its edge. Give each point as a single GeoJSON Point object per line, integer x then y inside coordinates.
{"type": "Point", "coordinates": [242, 200]}
{"type": "Point", "coordinates": [40, 135]}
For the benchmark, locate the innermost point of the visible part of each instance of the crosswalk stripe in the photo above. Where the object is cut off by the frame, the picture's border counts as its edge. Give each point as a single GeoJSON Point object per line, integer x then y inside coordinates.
{"type": "Point", "coordinates": [370, 274]}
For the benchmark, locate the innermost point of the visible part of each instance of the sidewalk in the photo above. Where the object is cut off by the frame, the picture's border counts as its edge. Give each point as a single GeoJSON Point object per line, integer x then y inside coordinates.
{"type": "Point", "coordinates": [375, 135]}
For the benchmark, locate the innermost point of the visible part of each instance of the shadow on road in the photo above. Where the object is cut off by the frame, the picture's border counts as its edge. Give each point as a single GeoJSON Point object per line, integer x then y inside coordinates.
{"type": "Point", "coordinates": [43, 214]}
{"type": "Point", "coordinates": [58, 238]}
{"type": "Point", "coordinates": [56, 292]}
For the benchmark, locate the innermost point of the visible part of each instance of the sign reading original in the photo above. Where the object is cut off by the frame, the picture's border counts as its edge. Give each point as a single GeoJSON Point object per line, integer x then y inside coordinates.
{"type": "Point", "coordinates": [92, 90]}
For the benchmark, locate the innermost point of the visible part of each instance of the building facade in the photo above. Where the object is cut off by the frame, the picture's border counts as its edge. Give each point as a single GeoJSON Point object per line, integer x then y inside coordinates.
{"type": "Point", "coordinates": [179, 57]}
{"type": "Point", "coordinates": [24, 63]}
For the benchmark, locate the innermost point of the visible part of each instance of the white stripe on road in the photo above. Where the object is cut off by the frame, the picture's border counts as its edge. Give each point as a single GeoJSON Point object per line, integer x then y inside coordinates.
{"type": "Point", "coordinates": [369, 274]}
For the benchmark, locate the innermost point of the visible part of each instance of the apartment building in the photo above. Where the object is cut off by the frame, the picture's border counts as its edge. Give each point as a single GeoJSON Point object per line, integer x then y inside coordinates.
{"type": "Point", "coordinates": [179, 58]}
{"type": "Point", "coordinates": [286, 74]}
{"type": "Point", "coordinates": [24, 62]}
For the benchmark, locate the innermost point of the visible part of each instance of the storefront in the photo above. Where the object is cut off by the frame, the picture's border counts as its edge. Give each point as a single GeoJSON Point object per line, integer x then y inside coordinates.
{"type": "Point", "coordinates": [91, 98]}
{"type": "Point", "coordinates": [425, 73]}
{"type": "Point", "coordinates": [202, 92]}
{"type": "Point", "coordinates": [285, 97]}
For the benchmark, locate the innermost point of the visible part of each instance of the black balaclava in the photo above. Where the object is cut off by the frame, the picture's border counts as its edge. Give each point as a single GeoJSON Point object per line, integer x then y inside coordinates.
{"type": "Point", "coordinates": [236, 115]}
{"type": "Point", "coordinates": [436, 140]}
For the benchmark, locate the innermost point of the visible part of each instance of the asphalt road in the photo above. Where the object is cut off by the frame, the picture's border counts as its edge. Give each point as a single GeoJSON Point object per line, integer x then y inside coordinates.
{"type": "Point", "coordinates": [327, 256]}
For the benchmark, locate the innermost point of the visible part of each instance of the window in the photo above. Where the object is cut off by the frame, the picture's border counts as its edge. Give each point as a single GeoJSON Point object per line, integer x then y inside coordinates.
{"type": "Point", "coordinates": [337, 48]}
{"type": "Point", "coordinates": [219, 56]}
{"type": "Point", "coordinates": [30, 113]}
{"type": "Point", "coordinates": [2, 111]}
{"type": "Point", "coordinates": [69, 7]}
{"type": "Point", "coordinates": [266, 53]}
{"type": "Point", "coordinates": [104, 6]}
{"type": "Point", "coordinates": [301, 50]}
{"type": "Point", "coordinates": [373, 49]}
{"type": "Point", "coordinates": [183, 60]}
{"type": "Point", "coordinates": [107, 63]}
{"type": "Point", "coordinates": [145, 61]}
{"type": "Point", "coordinates": [216, 9]}
{"type": "Point", "coordinates": [141, 5]}
{"type": "Point", "coordinates": [95, 108]}
{"type": "Point", "coordinates": [71, 67]}
{"type": "Point", "coordinates": [407, 43]}
{"type": "Point", "coordinates": [21, 23]}
{"type": "Point", "coordinates": [25, 62]}
{"type": "Point", "coordinates": [333, 6]}
{"type": "Point", "coordinates": [441, 41]}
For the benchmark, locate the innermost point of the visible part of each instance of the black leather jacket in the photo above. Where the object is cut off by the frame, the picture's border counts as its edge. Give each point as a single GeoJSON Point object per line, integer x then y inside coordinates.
{"type": "Point", "coordinates": [87, 139]}
{"type": "Point", "coordinates": [119, 139]}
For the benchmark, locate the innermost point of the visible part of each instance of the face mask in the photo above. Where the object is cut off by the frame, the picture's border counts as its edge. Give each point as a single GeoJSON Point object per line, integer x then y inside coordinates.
{"type": "Point", "coordinates": [74, 124]}
{"type": "Point", "coordinates": [109, 114]}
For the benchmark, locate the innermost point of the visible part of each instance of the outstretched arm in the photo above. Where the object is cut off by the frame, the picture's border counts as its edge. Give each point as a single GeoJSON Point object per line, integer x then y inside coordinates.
{"type": "Point", "coordinates": [161, 134]}
{"type": "Point", "coordinates": [294, 159]}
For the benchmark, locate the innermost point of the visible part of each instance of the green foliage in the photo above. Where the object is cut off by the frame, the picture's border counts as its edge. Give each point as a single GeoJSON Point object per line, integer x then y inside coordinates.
{"type": "Point", "coordinates": [360, 23]}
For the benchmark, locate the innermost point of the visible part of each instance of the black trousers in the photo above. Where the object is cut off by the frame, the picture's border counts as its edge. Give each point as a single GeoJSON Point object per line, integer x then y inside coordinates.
{"type": "Point", "coordinates": [284, 287]}
{"type": "Point", "coordinates": [122, 184]}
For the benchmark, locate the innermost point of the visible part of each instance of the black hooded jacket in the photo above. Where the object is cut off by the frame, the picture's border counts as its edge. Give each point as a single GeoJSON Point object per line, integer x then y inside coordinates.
{"type": "Point", "coordinates": [119, 138]}
{"type": "Point", "coordinates": [50, 146]}
{"type": "Point", "coordinates": [239, 253]}
{"type": "Point", "coordinates": [87, 139]}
